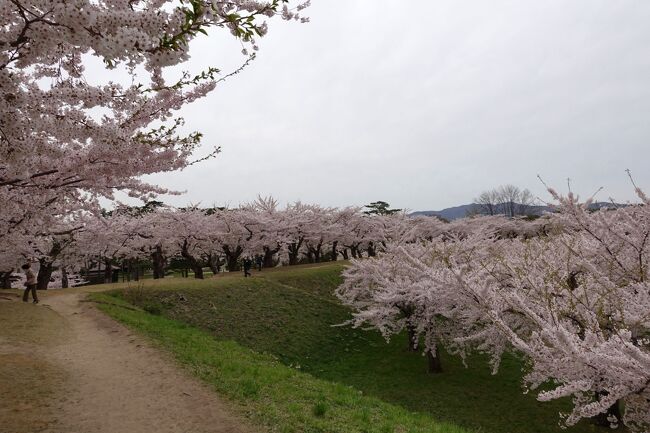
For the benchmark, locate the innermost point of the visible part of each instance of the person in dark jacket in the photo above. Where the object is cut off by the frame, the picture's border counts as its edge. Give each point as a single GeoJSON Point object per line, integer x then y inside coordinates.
{"type": "Point", "coordinates": [248, 264]}
{"type": "Point", "coordinates": [258, 262]}
{"type": "Point", "coordinates": [30, 283]}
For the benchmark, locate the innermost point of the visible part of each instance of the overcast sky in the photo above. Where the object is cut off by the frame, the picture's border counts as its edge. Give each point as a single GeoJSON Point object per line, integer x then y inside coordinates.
{"type": "Point", "coordinates": [426, 106]}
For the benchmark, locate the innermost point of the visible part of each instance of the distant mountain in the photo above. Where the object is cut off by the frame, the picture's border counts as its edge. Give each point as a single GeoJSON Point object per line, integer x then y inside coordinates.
{"type": "Point", "coordinates": [452, 213]}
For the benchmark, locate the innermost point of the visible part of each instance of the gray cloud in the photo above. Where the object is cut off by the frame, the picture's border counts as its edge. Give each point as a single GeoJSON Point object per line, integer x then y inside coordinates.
{"type": "Point", "coordinates": [428, 105]}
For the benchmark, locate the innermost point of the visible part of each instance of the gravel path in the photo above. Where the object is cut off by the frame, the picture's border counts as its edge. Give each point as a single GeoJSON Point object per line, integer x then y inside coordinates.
{"type": "Point", "coordinates": [86, 373]}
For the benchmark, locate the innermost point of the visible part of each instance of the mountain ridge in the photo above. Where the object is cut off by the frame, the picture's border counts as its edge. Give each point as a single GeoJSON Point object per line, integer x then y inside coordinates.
{"type": "Point", "coordinates": [461, 211]}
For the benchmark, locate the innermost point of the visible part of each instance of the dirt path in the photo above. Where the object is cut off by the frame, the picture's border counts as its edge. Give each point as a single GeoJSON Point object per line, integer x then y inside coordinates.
{"type": "Point", "coordinates": [94, 376]}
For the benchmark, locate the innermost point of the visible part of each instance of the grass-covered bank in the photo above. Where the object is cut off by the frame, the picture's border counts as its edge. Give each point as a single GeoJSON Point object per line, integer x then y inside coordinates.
{"type": "Point", "coordinates": [289, 313]}
{"type": "Point", "coordinates": [269, 392]}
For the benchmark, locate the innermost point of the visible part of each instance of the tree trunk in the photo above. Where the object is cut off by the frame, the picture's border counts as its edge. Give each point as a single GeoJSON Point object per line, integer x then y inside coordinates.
{"type": "Point", "coordinates": [435, 366]}
{"type": "Point", "coordinates": [214, 263]}
{"type": "Point", "coordinates": [47, 266]}
{"type": "Point", "coordinates": [44, 274]}
{"type": "Point", "coordinates": [108, 271]}
{"type": "Point", "coordinates": [294, 250]}
{"type": "Point", "coordinates": [335, 253]}
{"type": "Point", "coordinates": [64, 278]}
{"type": "Point", "coordinates": [344, 253]}
{"type": "Point", "coordinates": [268, 261]}
{"type": "Point", "coordinates": [158, 263]}
{"type": "Point", "coordinates": [131, 270]}
{"type": "Point", "coordinates": [195, 266]}
{"type": "Point", "coordinates": [371, 250]}
{"type": "Point", "coordinates": [315, 252]}
{"type": "Point", "coordinates": [192, 261]}
{"type": "Point", "coordinates": [293, 257]}
{"type": "Point", "coordinates": [5, 280]}
{"type": "Point", "coordinates": [232, 257]}
{"type": "Point", "coordinates": [353, 250]}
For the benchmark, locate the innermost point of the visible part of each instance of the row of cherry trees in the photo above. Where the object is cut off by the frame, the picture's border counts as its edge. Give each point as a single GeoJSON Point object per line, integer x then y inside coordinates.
{"type": "Point", "coordinates": [157, 237]}
{"type": "Point", "coordinates": [212, 237]}
{"type": "Point", "coordinates": [572, 296]}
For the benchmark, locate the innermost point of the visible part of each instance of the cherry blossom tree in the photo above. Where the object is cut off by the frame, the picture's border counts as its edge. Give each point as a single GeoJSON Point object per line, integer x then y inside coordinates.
{"type": "Point", "coordinates": [411, 287]}
{"type": "Point", "coordinates": [109, 240]}
{"type": "Point", "coordinates": [568, 291]}
{"type": "Point", "coordinates": [157, 237]}
{"type": "Point", "coordinates": [236, 230]}
{"type": "Point", "coordinates": [300, 218]}
{"type": "Point", "coordinates": [585, 299]}
{"type": "Point", "coordinates": [273, 226]}
{"type": "Point", "coordinates": [65, 142]}
{"type": "Point", "coordinates": [338, 229]}
{"type": "Point", "coordinates": [359, 228]}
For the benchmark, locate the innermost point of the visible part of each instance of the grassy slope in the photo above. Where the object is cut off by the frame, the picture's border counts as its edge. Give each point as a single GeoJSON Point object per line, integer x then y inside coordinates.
{"type": "Point", "coordinates": [272, 394]}
{"type": "Point", "coordinates": [289, 313]}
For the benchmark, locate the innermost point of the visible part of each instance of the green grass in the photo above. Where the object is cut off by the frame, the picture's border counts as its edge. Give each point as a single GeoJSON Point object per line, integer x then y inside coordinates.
{"type": "Point", "coordinates": [270, 393]}
{"type": "Point", "coordinates": [287, 317]}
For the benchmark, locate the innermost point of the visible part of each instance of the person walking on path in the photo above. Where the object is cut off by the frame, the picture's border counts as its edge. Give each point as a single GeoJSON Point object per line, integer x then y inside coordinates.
{"type": "Point", "coordinates": [248, 264]}
{"type": "Point", "coordinates": [30, 283]}
{"type": "Point", "coordinates": [258, 262]}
